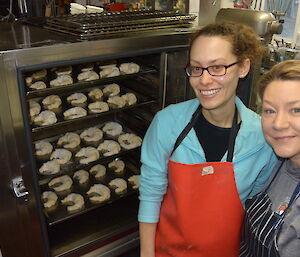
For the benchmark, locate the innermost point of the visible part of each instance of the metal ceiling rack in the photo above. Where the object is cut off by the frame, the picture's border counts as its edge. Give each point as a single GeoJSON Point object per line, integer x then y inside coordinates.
{"type": "Point", "coordinates": [95, 25]}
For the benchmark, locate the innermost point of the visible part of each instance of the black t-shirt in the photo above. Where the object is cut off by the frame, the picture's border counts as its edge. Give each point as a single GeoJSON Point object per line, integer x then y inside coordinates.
{"type": "Point", "coordinates": [214, 140]}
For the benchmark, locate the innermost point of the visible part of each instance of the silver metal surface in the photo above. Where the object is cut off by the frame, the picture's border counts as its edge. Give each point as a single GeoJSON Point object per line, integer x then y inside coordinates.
{"type": "Point", "coordinates": [117, 247]}
{"type": "Point", "coordinates": [16, 217]}
{"type": "Point", "coordinates": [209, 10]}
{"type": "Point", "coordinates": [89, 26]}
{"type": "Point", "coordinates": [19, 189]}
{"type": "Point", "coordinates": [264, 23]}
{"type": "Point", "coordinates": [22, 6]}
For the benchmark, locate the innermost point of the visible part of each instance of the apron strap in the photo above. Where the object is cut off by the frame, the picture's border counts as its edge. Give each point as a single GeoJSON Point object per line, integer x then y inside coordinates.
{"type": "Point", "coordinates": [188, 127]}
{"type": "Point", "coordinates": [269, 185]}
{"type": "Point", "coordinates": [233, 132]}
{"type": "Point", "coordinates": [294, 197]}
{"type": "Point", "coordinates": [232, 136]}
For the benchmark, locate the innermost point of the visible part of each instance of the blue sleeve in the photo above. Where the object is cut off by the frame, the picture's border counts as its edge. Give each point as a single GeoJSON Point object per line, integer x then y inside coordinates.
{"type": "Point", "coordinates": [265, 173]}
{"type": "Point", "coordinates": [153, 180]}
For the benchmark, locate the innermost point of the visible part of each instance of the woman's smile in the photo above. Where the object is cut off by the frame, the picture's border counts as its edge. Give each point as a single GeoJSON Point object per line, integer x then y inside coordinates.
{"type": "Point", "coordinates": [210, 92]}
{"type": "Point", "coordinates": [283, 139]}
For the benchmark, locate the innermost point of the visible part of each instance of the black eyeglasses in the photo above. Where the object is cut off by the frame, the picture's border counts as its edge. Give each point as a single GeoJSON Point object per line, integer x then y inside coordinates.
{"type": "Point", "coordinates": [214, 70]}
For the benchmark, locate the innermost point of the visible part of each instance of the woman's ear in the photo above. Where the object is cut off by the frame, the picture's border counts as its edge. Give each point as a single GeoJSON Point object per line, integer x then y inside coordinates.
{"type": "Point", "coordinates": [244, 68]}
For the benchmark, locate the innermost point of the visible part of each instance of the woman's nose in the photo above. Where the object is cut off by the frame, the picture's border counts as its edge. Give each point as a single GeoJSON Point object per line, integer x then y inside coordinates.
{"type": "Point", "coordinates": [206, 78]}
{"type": "Point", "coordinates": [281, 121]}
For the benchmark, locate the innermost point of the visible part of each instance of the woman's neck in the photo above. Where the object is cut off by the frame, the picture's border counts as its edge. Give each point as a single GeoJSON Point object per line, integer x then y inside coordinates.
{"type": "Point", "coordinates": [295, 160]}
{"type": "Point", "coordinates": [220, 117]}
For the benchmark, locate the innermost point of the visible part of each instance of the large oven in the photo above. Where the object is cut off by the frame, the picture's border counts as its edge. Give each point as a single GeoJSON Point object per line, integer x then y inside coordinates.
{"type": "Point", "coordinates": [73, 115]}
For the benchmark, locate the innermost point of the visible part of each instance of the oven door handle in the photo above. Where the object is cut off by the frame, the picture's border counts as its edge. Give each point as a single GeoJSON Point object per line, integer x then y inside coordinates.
{"type": "Point", "coordinates": [19, 189]}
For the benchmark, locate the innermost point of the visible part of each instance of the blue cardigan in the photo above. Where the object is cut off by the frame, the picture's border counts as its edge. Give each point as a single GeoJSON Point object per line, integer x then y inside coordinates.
{"type": "Point", "coordinates": [253, 158]}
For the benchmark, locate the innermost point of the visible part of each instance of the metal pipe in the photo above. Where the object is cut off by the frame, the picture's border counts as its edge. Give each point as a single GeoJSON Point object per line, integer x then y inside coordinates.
{"type": "Point", "coordinates": [23, 7]}
{"type": "Point", "coordinates": [260, 4]}
{"type": "Point", "coordinates": [269, 5]}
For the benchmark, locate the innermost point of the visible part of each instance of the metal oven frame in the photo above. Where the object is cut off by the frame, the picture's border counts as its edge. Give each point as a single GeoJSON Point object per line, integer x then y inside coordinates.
{"type": "Point", "coordinates": [22, 224]}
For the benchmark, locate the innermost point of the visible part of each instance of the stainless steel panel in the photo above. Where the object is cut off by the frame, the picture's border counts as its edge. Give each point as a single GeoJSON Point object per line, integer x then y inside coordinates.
{"type": "Point", "coordinates": [116, 248]}
{"type": "Point", "coordinates": [208, 11]}
{"type": "Point", "coordinates": [16, 216]}
{"type": "Point", "coordinates": [263, 22]}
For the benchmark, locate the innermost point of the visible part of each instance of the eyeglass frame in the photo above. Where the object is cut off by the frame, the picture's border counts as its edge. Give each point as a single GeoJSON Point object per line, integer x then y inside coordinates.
{"type": "Point", "coordinates": [206, 68]}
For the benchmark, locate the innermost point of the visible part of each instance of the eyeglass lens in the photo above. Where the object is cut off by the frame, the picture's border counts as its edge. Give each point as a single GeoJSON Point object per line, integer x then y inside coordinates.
{"type": "Point", "coordinates": [212, 70]}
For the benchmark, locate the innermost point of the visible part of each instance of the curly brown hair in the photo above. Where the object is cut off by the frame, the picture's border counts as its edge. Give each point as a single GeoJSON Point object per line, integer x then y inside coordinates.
{"type": "Point", "coordinates": [245, 42]}
{"type": "Point", "coordinates": [287, 70]}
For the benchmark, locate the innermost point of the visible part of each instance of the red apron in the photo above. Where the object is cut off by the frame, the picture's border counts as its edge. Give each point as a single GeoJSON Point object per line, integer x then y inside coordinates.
{"type": "Point", "coordinates": [201, 214]}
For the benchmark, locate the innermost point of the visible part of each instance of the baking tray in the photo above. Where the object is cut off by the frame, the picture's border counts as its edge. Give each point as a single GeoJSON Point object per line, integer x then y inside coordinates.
{"type": "Point", "coordinates": [132, 167]}
{"type": "Point", "coordinates": [74, 164]}
{"type": "Point", "coordinates": [40, 132]}
{"type": "Point", "coordinates": [60, 213]}
{"type": "Point", "coordinates": [77, 85]}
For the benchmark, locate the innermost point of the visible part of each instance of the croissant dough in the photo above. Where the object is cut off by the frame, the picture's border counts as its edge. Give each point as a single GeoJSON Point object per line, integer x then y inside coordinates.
{"type": "Point", "coordinates": [109, 148]}
{"type": "Point", "coordinates": [74, 113]}
{"type": "Point", "coordinates": [82, 176]}
{"type": "Point", "coordinates": [74, 201]}
{"type": "Point", "coordinates": [112, 129]}
{"type": "Point", "coordinates": [98, 107]}
{"type": "Point", "coordinates": [34, 109]}
{"type": "Point", "coordinates": [98, 193]}
{"type": "Point", "coordinates": [129, 68]}
{"type": "Point", "coordinates": [98, 171]}
{"type": "Point", "coordinates": [45, 118]}
{"type": "Point", "coordinates": [61, 183]}
{"type": "Point", "coordinates": [61, 155]}
{"type": "Point", "coordinates": [76, 99]}
{"type": "Point", "coordinates": [96, 94]}
{"type": "Point", "coordinates": [87, 76]}
{"type": "Point", "coordinates": [119, 185]}
{"type": "Point", "coordinates": [50, 168]}
{"type": "Point", "coordinates": [61, 80]}
{"type": "Point", "coordinates": [69, 141]}
{"type": "Point", "coordinates": [51, 102]}
{"type": "Point", "coordinates": [87, 155]}
{"type": "Point", "coordinates": [49, 199]}
{"type": "Point", "coordinates": [43, 148]}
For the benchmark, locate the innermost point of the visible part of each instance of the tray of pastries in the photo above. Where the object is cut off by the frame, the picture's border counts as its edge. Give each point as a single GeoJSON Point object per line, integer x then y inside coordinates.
{"type": "Point", "coordinates": [57, 110]}
{"type": "Point", "coordinates": [83, 169]}
{"type": "Point", "coordinates": [72, 150]}
{"type": "Point", "coordinates": [82, 190]}
{"type": "Point", "coordinates": [60, 79]}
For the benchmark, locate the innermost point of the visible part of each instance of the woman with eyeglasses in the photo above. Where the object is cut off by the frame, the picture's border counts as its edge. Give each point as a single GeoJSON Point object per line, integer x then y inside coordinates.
{"type": "Point", "coordinates": [202, 158]}
{"type": "Point", "coordinates": [272, 220]}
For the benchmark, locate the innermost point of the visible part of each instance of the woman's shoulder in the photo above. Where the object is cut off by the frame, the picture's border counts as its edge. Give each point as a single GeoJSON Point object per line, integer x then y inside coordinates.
{"type": "Point", "coordinates": [246, 112]}
{"type": "Point", "coordinates": [250, 119]}
{"type": "Point", "coordinates": [179, 112]}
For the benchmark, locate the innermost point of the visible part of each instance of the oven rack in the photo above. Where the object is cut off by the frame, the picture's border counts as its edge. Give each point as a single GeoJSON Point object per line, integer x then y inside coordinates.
{"type": "Point", "coordinates": [88, 26]}
{"type": "Point", "coordinates": [75, 164]}
{"type": "Point", "coordinates": [86, 84]}
{"type": "Point", "coordinates": [60, 213]}
{"type": "Point", "coordinates": [38, 133]}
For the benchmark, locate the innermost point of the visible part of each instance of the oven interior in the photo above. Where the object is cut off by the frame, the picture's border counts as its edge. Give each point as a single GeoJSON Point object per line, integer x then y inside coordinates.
{"type": "Point", "coordinates": [95, 222]}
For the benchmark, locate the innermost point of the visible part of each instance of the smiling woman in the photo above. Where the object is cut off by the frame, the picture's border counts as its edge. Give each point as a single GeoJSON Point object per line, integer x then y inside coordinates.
{"type": "Point", "coordinates": [281, 118]}
{"type": "Point", "coordinates": [279, 202]}
{"type": "Point", "coordinates": [280, 91]}
{"type": "Point", "coordinates": [202, 158]}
